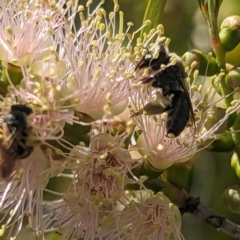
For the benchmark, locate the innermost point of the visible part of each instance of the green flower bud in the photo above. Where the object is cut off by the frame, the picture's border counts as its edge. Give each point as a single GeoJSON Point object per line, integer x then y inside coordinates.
{"type": "Point", "coordinates": [231, 199]}
{"type": "Point", "coordinates": [224, 143]}
{"type": "Point", "coordinates": [216, 84]}
{"type": "Point", "coordinates": [178, 174]}
{"type": "Point", "coordinates": [215, 116]}
{"type": "Point", "coordinates": [231, 119]}
{"type": "Point", "coordinates": [148, 170]}
{"type": "Point", "coordinates": [12, 72]}
{"type": "Point", "coordinates": [206, 64]}
{"type": "Point", "coordinates": [229, 67]}
{"type": "Point", "coordinates": [235, 164]}
{"type": "Point", "coordinates": [232, 79]}
{"type": "Point", "coordinates": [230, 32]}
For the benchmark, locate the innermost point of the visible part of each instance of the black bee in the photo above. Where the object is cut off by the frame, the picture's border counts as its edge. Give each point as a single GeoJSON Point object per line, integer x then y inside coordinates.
{"type": "Point", "coordinates": [14, 131]}
{"type": "Point", "coordinates": [171, 80]}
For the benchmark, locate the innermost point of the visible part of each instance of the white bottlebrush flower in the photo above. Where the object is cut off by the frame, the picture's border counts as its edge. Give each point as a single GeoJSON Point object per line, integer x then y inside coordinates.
{"type": "Point", "coordinates": [159, 149]}
{"type": "Point", "coordinates": [101, 62]}
{"type": "Point", "coordinates": [151, 216]}
{"type": "Point", "coordinates": [44, 96]}
{"type": "Point", "coordinates": [26, 42]}
{"type": "Point", "coordinates": [25, 32]}
{"type": "Point", "coordinates": [90, 204]}
{"type": "Point", "coordinates": [22, 196]}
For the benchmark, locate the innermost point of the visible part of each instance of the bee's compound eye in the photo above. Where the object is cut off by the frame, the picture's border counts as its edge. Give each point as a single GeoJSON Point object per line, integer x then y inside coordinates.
{"type": "Point", "coordinates": [11, 119]}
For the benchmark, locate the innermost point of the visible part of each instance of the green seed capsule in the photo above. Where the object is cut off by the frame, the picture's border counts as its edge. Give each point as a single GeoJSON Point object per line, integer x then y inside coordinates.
{"type": "Point", "coordinates": [231, 199]}
{"type": "Point", "coordinates": [230, 32]}
{"type": "Point", "coordinates": [205, 64]}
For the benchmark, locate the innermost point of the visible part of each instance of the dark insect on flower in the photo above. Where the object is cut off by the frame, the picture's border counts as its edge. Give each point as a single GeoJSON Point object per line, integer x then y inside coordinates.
{"type": "Point", "coordinates": [14, 131]}
{"type": "Point", "coordinates": [171, 78]}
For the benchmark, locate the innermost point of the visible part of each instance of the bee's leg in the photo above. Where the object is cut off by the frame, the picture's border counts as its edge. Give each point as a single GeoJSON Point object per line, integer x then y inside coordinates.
{"type": "Point", "coordinates": [157, 83]}
{"type": "Point", "coordinates": [147, 79]}
{"type": "Point", "coordinates": [155, 107]}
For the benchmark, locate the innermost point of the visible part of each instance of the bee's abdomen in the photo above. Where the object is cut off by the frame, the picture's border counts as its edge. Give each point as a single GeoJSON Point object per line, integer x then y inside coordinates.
{"type": "Point", "coordinates": [178, 113]}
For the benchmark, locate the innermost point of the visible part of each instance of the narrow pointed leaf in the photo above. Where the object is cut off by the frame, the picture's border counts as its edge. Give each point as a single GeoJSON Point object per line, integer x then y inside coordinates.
{"type": "Point", "coordinates": [153, 13]}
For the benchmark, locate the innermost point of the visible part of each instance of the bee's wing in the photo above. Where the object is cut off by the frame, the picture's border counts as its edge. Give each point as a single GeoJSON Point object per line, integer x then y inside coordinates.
{"type": "Point", "coordinates": [8, 149]}
{"type": "Point", "coordinates": [184, 87]}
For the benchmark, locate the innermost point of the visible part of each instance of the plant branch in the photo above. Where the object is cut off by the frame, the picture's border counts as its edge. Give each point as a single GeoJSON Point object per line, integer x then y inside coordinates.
{"type": "Point", "coordinates": [210, 10]}
{"type": "Point", "coordinates": [220, 53]}
{"type": "Point", "coordinates": [193, 206]}
{"type": "Point", "coordinates": [220, 223]}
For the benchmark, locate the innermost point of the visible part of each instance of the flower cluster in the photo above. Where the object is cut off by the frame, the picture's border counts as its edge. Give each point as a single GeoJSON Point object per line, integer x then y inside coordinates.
{"type": "Point", "coordinates": [75, 67]}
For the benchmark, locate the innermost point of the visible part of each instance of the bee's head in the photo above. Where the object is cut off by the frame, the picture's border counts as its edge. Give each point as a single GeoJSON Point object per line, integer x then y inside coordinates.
{"type": "Point", "coordinates": [16, 119]}
{"type": "Point", "coordinates": [21, 108]}
{"type": "Point", "coordinates": [163, 57]}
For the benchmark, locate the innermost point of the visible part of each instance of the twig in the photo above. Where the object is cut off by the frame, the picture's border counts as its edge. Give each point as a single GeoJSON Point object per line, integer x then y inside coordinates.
{"type": "Point", "coordinates": [194, 207]}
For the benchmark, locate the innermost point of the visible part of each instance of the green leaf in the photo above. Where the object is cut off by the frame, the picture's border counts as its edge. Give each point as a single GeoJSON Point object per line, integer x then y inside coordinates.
{"type": "Point", "coordinates": [200, 2]}
{"type": "Point", "coordinates": [218, 3]}
{"type": "Point", "coordinates": [153, 13]}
